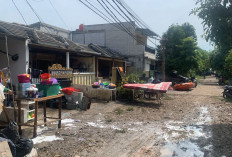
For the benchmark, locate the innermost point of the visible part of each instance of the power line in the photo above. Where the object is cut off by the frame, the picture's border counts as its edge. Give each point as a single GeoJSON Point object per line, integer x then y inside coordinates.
{"type": "Point", "coordinates": [19, 12]}
{"type": "Point", "coordinates": [126, 28]}
{"type": "Point", "coordinates": [58, 15]}
{"type": "Point", "coordinates": [125, 15]}
{"type": "Point", "coordinates": [100, 12]}
{"type": "Point", "coordinates": [121, 14]}
{"type": "Point", "coordinates": [34, 11]}
{"type": "Point", "coordinates": [117, 20]}
{"type": "Point", "coordinates": [37, 15]}
{"type": "Point", "coordinates": [132, 13]}
{"type": "Point", "coordinates": [111, 13]}
{"type": "Point", "coordinates": [105, 18]}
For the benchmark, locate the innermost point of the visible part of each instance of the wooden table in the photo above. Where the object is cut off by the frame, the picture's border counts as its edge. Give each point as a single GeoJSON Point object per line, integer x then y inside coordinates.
{"type": "Point", "coordinates": [37, 100]}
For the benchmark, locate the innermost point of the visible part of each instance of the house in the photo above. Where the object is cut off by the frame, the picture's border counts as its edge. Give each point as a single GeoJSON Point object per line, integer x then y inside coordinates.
{"type": "Point", "coordinates": [139, 57]}
{"type": "Point", "coordinates": [108, 59]}
{"type": "Point", "coordinates": [44, 27]}
{"type": "Point", "coordinates": [37, 50]}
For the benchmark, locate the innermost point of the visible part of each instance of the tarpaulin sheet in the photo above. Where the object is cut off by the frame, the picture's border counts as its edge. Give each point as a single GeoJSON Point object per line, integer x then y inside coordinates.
{"type": "Point", "coordinates": [162, 87]}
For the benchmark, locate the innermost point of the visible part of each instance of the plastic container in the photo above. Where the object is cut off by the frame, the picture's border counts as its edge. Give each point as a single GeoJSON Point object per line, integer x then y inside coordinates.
{"type": "Point", "coordinates": [45, 77]}
{"type": "Point", "coordinates": [24, 78]}
{"type": "Point", "coordinates": [46, 82]}
{"type": "Point", "coordinates": [95, 86]}
{"type": "Point", "coordinates": [54, 81]}
{"type": "Point", "coordinates": [48, 90]}
{"type": "Point", "coordinates": [22, 89]}
{"type": "Point", "coordinates": [31, 92]}
{"type": "Point", "coordinates": [101, 85]}
{"type": "Point", "coordinates": [69, 90]}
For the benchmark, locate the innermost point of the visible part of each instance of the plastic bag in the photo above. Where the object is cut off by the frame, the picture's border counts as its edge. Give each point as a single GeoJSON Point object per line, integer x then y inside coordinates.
{"type": "Point", "coordinates": [23, 147]}
{"type": "Point", "coordinates": [11, 132]}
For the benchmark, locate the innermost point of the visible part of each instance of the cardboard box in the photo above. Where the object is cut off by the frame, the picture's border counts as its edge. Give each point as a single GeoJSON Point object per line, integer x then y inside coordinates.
{"type": "Point", "coordinates": [5, 149]}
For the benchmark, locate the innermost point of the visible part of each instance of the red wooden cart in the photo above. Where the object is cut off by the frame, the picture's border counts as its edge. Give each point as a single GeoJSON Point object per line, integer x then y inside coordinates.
{"type": "Point", "coordinates": [152, 89]}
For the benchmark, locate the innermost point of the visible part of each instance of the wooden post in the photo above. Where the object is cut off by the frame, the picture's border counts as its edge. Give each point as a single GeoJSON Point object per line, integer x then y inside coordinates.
{"type": "Point", "coordinates": [45, 113]}
{"type": "Point", "coordinates": [60, 106]}
{"type": "Point", "coordinates": [35, 120]}
{"type": "Point", "coordinates": [19, 117]}
{"type": "Point", "coordinates": [96, 66]}
{"type": "Point", "coordinates": [163, 58]}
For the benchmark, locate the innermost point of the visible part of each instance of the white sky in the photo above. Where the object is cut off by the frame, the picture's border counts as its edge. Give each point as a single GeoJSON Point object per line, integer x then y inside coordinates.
{"type": "Point", "coordinates": [157, 14]}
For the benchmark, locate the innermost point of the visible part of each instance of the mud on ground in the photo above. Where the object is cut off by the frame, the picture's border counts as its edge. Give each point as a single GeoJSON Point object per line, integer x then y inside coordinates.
{"type": "Point", "coordinates": [187, 123]}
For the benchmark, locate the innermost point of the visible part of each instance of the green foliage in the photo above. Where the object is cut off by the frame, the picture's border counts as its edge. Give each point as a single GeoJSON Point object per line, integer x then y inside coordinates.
{"type": "Point", "coordinates": [203, 61]}
{"type": "Point", "coordinates": [217, 21]}
{"type": "Point", "coordinates": [133, 78]}
{"type": "Point", "coordinates": [130, 109]}
{"type": "Point", "coordinates": [118, 111]}
{"type": "Point", "coordinates": [228, 65]}
{"type": "Point", "coordinates": [182, 53]}
{"type": "Point", "coordinates": [189, 30]}
{"type": "Point", "coordinates": [123, 93]}
{"type": "Point", "coordinates": [217, 60]}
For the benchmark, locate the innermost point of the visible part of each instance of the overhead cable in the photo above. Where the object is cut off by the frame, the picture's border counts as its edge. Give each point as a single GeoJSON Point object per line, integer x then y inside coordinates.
{"type": "Point", "coordinates": [105, 18]}
{"type": "Point", "coordinates": [19, 12]}
{"type": "Point", "coordinates": [132, 13]}
{"type": "Point", "coordinates": [34, 11]}
{"type": "Point", "coordinates": [125, 18]}
{"type": "Point", "coordinates": [109, 11]}
{"type": "Point", "coordinates": [60, 17]}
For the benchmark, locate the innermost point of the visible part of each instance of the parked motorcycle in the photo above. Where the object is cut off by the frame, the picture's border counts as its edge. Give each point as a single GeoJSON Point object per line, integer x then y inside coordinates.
{"type": "Point", "coordinates": [194, 81]}
{"type": "Point", "coordinates": [221, 81]}
{"type": "Point", "coordinates": [227, 93]}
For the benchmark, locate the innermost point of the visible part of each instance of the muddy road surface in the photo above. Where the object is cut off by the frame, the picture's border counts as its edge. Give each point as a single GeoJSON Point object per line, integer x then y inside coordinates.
{"type": "Point", "coordinates": [196, 123]}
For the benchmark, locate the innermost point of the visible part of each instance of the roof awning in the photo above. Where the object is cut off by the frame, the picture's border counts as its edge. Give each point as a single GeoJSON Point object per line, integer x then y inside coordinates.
{"type": "Point", "coordinates": [151, 56]}
{"type": "Point", "coordinates": [147, 32]}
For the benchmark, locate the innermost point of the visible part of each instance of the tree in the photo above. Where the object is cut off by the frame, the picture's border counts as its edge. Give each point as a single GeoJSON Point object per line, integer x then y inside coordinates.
{"type": "Point", "coordinates": [181, 46]}
{"type": "Point", "coordinates": [189, 30]}
{"type": "Point", "coordinates": [203, 61]}
{"type": "Point", "coordinates": [217, 22]}
{"type": "Point", "coordinates": [228, 65]}
{"type": "Point", "coordinates": [217, 60]}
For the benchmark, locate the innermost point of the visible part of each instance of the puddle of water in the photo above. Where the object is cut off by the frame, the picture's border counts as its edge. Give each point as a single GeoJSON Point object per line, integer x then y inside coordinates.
{"type": "Point", "coordinates": [204, 117]}
{"type": "Point", "coordinates": [40, 139]}
{"type": "Point", "coordinates": [100, 124]}
{"type": "Point", "coordinates": [179, 139]}
{"type": "Point", "coordinates": [67, 121]}
{"type": "Point", "coordinates": [41, 129]}
{"type": "Point", "coordinates": [181, 149]}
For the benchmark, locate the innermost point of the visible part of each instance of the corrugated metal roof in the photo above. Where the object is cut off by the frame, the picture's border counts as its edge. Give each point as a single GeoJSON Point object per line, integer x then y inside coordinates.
{"type": "Point", "coordinates": [42, 38]}
{"type": "Point", "coordinates": [105, 51]}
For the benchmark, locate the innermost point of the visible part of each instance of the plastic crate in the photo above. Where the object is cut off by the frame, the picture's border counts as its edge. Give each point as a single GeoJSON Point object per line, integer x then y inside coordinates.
{"type": "Point", "coordinates": [47, 90]}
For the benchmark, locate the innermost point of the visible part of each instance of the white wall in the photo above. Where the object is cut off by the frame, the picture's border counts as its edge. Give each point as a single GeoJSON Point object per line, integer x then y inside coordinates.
{"type": "Point", "coordinates": [147, 65]}
{"type": "Point", "coordinates": [118, 40]}
{"type": "Point", "coordinates": [15, 46]}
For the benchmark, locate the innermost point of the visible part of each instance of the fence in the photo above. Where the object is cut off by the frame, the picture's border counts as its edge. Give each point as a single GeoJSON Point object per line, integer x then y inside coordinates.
{"type": "Point", "coordinates": [83, 78]}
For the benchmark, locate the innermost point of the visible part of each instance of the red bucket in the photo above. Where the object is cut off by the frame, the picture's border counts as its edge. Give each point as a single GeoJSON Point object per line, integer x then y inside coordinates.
{"type": "Point", "coordinates": [45, 77]}
{"type": "Point", "coordinates": [24, 78]}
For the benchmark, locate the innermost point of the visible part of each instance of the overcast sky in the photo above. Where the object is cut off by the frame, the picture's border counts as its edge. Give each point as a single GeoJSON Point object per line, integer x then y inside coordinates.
{"type": "Point", "coordinates": [157, 14]}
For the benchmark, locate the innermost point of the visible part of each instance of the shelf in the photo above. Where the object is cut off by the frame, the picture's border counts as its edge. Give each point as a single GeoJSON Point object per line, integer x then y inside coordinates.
{"type": "Point", "coordinates": [31, 110]}
{"type": "Point", "coordinates": [27, 102]}
{"type": "Point", "coordinates": [31, 119]}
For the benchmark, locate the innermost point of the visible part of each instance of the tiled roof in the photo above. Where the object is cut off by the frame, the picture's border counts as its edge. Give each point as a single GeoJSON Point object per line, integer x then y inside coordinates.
{"type": "Point", "coordinates": [42, 38]}
{"type": "Point", "coordinates": [105, 51]}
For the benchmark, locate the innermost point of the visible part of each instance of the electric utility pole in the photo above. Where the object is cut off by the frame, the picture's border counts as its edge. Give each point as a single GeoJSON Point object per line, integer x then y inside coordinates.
{"type": "Point", "coordinates": [163, 43]}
